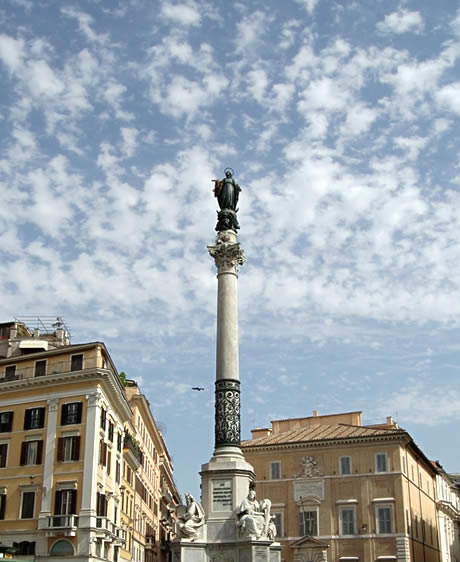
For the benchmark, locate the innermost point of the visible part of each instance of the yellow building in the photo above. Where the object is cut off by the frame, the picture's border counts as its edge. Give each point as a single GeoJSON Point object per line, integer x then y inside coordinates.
{"type": "Point", "coordinates": [342, 491]}
{"type": "Point", "coordinates": [77, 471]}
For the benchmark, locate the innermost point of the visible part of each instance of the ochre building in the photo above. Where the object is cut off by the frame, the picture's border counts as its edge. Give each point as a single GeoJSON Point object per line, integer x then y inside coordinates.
{"type": "Point", "coordinates": [81, 457]}
{"type": "Point", "coordinates": [342, 491]}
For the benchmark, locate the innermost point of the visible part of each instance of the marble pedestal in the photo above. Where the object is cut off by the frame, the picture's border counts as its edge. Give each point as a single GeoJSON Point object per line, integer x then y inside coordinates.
{"type": "Point", "coordinates": [243, 551]}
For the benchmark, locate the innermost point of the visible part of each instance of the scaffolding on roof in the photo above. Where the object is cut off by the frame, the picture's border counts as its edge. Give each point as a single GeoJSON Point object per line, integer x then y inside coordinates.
{"type": "Point", "coordinates": [46, 324]}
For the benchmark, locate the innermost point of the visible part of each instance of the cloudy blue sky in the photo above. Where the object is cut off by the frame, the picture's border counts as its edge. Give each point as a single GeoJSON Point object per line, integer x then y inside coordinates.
{"type": "Point", "coordinates": [340, 119]}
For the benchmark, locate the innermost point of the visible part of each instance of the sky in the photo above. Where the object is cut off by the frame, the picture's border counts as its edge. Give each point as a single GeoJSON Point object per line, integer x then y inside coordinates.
{"type": "Point", "coordinates": [340, 121]}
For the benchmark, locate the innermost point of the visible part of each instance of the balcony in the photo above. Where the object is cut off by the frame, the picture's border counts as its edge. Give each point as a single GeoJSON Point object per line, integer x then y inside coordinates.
{"type": "Point", "coordinates": [62, 524]}
{"type": "Point", "coordinates": [132, 452]}
{"type": "Point", "coordinates": [50, 367]}
{"type": "Point", "coordinates": [150, 542]}
{"type": "Point", "coordinates": [107, 529]}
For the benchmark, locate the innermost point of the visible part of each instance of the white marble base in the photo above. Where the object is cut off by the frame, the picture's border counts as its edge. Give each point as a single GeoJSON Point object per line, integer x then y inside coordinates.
{"type": "Point", "coordinates": [247, 551]}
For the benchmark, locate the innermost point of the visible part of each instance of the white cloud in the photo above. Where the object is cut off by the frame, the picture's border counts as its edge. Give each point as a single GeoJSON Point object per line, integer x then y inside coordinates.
{"type": "Point", "coordinates": [309, 5]}
{"type": "Point", "coordinates": [11, 51]}
{"type": "Point", "coordinates": [185, 13]}
{"type": "Point", "coordinates": [402, 21]}
{"type": "Point", "coordinates": [449, 97]}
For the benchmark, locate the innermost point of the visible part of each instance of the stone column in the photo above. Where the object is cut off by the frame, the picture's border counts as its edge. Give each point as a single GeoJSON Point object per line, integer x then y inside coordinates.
{"type": "Point", "coordinates": [228, 256]}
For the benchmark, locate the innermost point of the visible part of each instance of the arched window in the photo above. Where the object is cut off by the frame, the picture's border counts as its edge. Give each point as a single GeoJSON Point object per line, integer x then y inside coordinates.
{"type": "Point", "coordinates": [62, 548]}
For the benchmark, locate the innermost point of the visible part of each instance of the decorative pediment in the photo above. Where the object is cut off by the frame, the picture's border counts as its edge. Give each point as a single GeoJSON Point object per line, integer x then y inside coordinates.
{"type": "Point", "coordinates": [309, 541]}
{"type": "Point", "coordinates": [309, 549]}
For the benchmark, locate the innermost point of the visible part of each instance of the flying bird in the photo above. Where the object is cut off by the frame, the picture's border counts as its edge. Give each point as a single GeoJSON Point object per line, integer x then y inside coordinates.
{"type": "Point", "coordinates": [197, 388]}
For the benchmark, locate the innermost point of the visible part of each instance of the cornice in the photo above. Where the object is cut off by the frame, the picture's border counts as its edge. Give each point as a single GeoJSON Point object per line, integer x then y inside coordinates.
{"type": "Point", "coordinates": [105, 376]}
{"type": "Point", "coordinates": [399, 436]}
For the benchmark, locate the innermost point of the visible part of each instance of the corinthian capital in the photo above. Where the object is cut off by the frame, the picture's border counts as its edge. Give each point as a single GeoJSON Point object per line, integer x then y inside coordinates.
{"type": "Point", "coordinates": [228, 256]}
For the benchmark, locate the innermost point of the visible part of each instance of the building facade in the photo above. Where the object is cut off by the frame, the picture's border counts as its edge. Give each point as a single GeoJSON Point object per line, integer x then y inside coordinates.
{"type": "Point", "coordinates": [342, 491]}
{"type": "Point", "coordinates": [75, 466]}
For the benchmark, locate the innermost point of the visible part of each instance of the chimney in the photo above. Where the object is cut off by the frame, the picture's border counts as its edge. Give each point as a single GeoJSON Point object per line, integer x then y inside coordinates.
{"type": "Point", "coordinates": [390, 420]}
{"type": "Point", "coordinates": [36, 333]}
{"type": "Point", "coordinates": [260, 432]}
{"type": "Point", "coordinates": [315, 413]}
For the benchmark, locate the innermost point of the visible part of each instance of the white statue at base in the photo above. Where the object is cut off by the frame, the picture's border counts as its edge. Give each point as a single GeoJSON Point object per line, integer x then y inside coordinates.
{"type": "Point", "coordinates": [191, 519]}
{"type": "Point", "coordinates": [254, 518]}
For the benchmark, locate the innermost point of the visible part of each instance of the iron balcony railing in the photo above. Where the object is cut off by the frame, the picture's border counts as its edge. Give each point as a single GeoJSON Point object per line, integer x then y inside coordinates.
{"type": "Point", "coordinates": [90, 361]}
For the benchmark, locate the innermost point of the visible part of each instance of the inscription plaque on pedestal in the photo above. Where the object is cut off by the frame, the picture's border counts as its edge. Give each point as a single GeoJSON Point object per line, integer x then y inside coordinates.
{"type": "Point", "coordinates": [221, 495]}
{"type": "Point", "coordinates": [308, 488]}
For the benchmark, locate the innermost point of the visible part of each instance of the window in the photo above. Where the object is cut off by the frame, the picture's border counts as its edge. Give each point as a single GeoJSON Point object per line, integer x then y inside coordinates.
{"type": "Point", "coordinates": [416, 525]}
{"type": "Point", "coordinates": [2, 505]}
{"type": "Point", "coordinates": [384, 525]}
{"type": "Point", "coordinates": [404, 465]}
{"type": "Point", "coordinates": [68, 448]}
{"type": "Point", "coordinates": [119, 442]}
{"type": "Point", "coordinates": [40, 368]}
{"type": "Point", "coordinates": [27, 505]}
{"type": "Point", "coordinates": [347, 521]}
{"type": "Point", "coordinates": [71, 413]}
{"type": "Point", "coordinates": [24, 548]}
{"type": "Point", "coordinates": [31, 452]}
{"type": "Point", "coordinates": [103, 418]}
{"type": "Point", "coordinates": [117, 472]}
{"type": "Point", "coordinates": [3, 454]}
{"type": "Point", "coordinates": [381, 462]}
{"type": "Point", "coordinates": [76, 363]}
{"type": "Point", "coordinates": [110, 436]}
{"type": "Point", "coordinates": [278, 521]}
{"type": "Point", "coordinates": [34, 418]}
{"type": "Point", "coordinates": [275, 470]}
{"type": "Point", "coordinates": [102, 453]}
{"type": "Point", "coordinates": [10, 372]}
{"type": "Point", "coordinates": [308, 523]}
{"type": "Point", "coordinates": [109, 461]}
{"type": "Point", "coordinates": [345, 465]}
{"type": "Point", "coordinates": [6, 421]}
{"type": "Point", "coordinates": [65, 502]}
{"type": "Point", "coordinates": [62, 548]}
{"type": "Point", "coordinates": [101, 505]}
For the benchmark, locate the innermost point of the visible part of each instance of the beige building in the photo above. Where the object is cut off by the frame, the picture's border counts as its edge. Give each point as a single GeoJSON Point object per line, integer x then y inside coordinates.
{"type": "Point", "coordinates": [80, 453]}
{"type": "Point", "coordinates": [342, 491]}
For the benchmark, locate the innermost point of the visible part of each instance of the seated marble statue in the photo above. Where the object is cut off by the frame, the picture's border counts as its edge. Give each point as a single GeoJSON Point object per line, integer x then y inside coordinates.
{"type": "Point", "coordinates": [191, 519]}
{"type": "Point", "coordinates": [254, 518]}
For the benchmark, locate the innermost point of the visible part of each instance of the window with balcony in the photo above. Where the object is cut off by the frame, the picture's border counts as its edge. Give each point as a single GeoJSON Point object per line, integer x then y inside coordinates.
{"type": "Point", "coordinates": [308, 523]}
{"type": "Point", "coordinates": [384, 519]}
{"type": "Point", "coordinates": [65, 502]}
{"type": "Point", "coordinates": [345, 465]}
{"type": "Point", "coordinates": [275, 470]}
{"type": "Point", "coordinates": [71, 413]}
{"type": "Point", "coordinates": [68, 448]}
{"type": "Point", "coordinates": [381, 464]}
{"type": "Point", "coordinates": [27, 505]}
{"type": "Point", "coordinates": [34, 418]}
{"type": "Point", "coordinates": [3, 454]}
{"type": "Point", "coordinates": [76, 362]}
{"type": "Point", "coordinates": [101, 505]}
{"type": "Point", "coordinates": [6, 421]}
{"type": "Point", "coordinates": [40, 368]}
{"type": "Point", "coordinates": [31, 452]}
{"type": "Point", "coordinates": [347, 518]}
